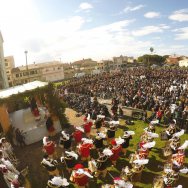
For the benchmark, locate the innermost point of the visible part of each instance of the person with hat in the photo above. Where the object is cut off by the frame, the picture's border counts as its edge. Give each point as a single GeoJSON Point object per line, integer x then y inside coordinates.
{"type": "Point", "coordinates": [98, 142]}
{"type": "Point", "coordinates": [69, 159]}
{"type": "Point", "coordinates": [50, 165]}
{"type": "Point", "coordinates": [57, 182]}
{"type": "Point", "coordinates": [99, 122]}
{"type": "Point", "coordinates": [174, 144]}
{"type": "Point", "coordinates": [116, 149]}
{"type": "Point", "coordinates": [65, 140]}
{"type": "Point", "coordinates": [78, 134]}
{"type": "Point", "coordinates": [84, 148]}
{"type": "Point", "coordinates": [80, 176]}
{"type": "Point", "coordinates": [127, 137]}
{"type": "Point", "coordinates": [111, 131]}
{"type": "Point", "coordinates": [171, 129]}
{"type": "Point", "coordinates": [49, 147]}
{"type": "Point", "coordinates": [87, 128]}
{"type": "Point", "coordinates": [102, 164]}
{"type": "Point", "coordinates": [178, 159]}
{"type": "Point", "coordinates": [126, 173]}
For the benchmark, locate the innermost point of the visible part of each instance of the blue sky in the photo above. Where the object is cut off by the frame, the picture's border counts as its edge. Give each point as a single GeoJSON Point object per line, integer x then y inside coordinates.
{"type": "Point", "coordinates": [100, 29]}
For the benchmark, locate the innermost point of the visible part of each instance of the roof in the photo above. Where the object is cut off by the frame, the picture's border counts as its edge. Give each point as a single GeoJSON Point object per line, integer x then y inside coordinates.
{"type": "Point", "coordinates": [21, 88]}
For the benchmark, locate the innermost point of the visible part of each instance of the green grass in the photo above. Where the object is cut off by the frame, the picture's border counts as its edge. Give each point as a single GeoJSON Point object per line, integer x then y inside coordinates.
{"type": "Point", "coordinates": [156, 160]}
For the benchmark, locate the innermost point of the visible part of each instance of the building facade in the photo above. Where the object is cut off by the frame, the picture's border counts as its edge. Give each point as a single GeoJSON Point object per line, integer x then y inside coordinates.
{"type": "Point", "coordinates": [3, 77]}
{"type": "Point", "coordinates": [85, 66]}
{"type": "Point", "coordinates": [9, 65]}
{"type": "Point", "coordinates": [48, 71]}
{"type": "Point", "coordinates": [183, 62]}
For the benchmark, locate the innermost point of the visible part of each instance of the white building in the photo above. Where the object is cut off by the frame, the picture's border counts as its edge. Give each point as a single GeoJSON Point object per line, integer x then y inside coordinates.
{"type": "Point", "coordinates": [183, 62]}
{"type": "Point", "coordinates": [9, 65]}
{"type": "Point", "coordinates": [51, 71]}
{"type": "Point", "coordinates": [3, 77]}
{"type": "Point", "coordinates": [48, 71]}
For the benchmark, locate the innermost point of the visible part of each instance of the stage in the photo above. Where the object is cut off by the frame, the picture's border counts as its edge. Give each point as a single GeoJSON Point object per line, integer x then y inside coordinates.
{"type": "Point", "coordinates": [33, 130]}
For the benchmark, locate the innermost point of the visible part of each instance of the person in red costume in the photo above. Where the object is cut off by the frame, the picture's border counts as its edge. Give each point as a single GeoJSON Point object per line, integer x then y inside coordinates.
{"type": "Point", "coordinates": [80, 176]}
{"type": "Point", "coordinates": [116, 149]}
{"type": "Point", "coordinates": [49, 147]}
{"type": "Point", "coordinates": [87, 128]}
{"type": "Point", "coordinates": [78, 134]}
{"type": "Point", "coordinates": [84, 149]}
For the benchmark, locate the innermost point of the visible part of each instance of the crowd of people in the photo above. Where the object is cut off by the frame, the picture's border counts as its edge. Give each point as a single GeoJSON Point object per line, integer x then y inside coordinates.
{"type": "Point", "coordinates": [88, 157]}
{"type": "Point", "coordinates": [162, 91]}
{"type": "Point", "coordinates": [91, 151]}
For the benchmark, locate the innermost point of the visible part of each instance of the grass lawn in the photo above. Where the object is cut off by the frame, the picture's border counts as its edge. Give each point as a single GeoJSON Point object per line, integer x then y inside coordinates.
{"type": "Point", "coordinates": [156, 159]}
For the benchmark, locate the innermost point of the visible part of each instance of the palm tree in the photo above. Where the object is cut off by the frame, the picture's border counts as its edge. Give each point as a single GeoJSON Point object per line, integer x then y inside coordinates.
{"type": "Point", "coordinates": [151, 49]}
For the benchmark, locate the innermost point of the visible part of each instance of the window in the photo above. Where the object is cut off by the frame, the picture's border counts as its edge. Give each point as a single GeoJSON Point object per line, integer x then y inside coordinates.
{"type": "Point", "coordinates": [8, 77]}
{"type": "Point", "coordinates": [8, 72]}
{"type": "Point", "coordinates": [32, 72]}
{"type": "Point", "coordinates": [6, 64]}
{"type": "Point", "coordinates": [20, 74]}
{"type": "Point", "coordinates": [17, 75]}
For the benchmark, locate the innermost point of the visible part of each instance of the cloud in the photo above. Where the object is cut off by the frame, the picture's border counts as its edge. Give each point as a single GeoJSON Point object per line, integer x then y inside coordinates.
{"type": "Point", "coordinates": [131, 9]}
{"type": "Point", "coordinates": [179, 15]}
{"type": "Point", "coordinates": [152, 15]}
{"type": "Point", "coordinates": [147, 30]}
{"type": "Point", "coordinates": [85, 6]}
{"type": "Point", "coordinates": [182, 33]}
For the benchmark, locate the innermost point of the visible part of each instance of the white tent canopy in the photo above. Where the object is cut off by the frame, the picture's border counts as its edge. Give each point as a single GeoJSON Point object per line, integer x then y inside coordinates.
{"type": "Point", "coordinates": [21, 88]}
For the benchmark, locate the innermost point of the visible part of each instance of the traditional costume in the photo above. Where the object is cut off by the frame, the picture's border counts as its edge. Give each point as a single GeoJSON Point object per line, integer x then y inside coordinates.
{"type": "Point", "coordinates": [84, 148]}
{"type": "Point", "coordinates": [178, 159]}
{"type": "Point", "coordinates": [116, 149]}
{"type": "Point", "coordinates": [126, 174]}
{"type": "Point", "coordinates": [98, 142]}
{"type": "Point", "coordinates": [78, 134]}
{"type": "Point", "coordinates": [111, 133]}
{"type": "Point", "coordinates": [69, 159]}
{"type": "Point", "coordinates": [120, 183]}
{"type": "Point", "coordinates": [65, 140]}
{"type": "Point", "coordinates": [80, 176]}
{"type": "Point", "coordinates": [50, 165]}
{"type": "Point", "coordinates": [174, 144]}
{"type": "Point", "coordinates": [126, 137]}
{"type": "Point", "coordinates": [34, 109]}
{"type": "Point", "coordinates": [171, 130]}
{"type": "Point", "coordinates": [87, 128]}
{"type": "Point", "coordinates": [102, 163]}
{"type": "Point", "coordinates": [49, 147]}
{"type": "Point", "coordinates": [57, 182]}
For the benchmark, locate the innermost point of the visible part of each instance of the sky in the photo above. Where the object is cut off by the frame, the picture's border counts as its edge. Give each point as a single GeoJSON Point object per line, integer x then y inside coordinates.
{"type": "Point", "coordinates": [70, 30]}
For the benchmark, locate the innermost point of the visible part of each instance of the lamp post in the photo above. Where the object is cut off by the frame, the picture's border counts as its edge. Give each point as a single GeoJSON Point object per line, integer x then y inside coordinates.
{"type": "Point", "coordinates": [26, 63]}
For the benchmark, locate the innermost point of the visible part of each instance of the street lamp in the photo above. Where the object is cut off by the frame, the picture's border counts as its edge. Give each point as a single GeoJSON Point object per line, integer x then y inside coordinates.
{"type": "Point", "coordinates": [26, 64]}
{"type": "Point", "coordinates": [26, 59]}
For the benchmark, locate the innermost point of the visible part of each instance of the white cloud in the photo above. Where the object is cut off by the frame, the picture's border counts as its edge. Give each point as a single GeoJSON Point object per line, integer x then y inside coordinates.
{"type": "Point", "coordinates": [179, 15]}
{"type": "Point", "coordinates": [131, 9]}
{"type": "Point", "coordinates": [85, 6]}
{"type": "Point", "coordinates": [152, 15]}
{"type": "Point", "coordinates": [149, 30]}
{"type": "Point", "coordinates": [182, 33]}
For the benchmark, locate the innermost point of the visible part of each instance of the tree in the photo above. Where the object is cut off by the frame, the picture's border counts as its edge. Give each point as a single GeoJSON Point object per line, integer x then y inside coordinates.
{"type": "Point", "coordinates": [151, 49]}
{"type": "Point", "coordinates": [152, 59]}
